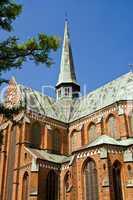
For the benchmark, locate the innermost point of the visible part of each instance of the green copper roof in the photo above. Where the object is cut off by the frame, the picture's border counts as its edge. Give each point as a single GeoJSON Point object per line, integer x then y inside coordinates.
{"type": "Point", "coordinates": [67, 71]}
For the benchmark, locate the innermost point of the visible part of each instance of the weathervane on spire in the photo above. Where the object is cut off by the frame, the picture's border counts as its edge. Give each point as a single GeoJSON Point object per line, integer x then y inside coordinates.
{"type": "Point", "coordinates": [131, 67]}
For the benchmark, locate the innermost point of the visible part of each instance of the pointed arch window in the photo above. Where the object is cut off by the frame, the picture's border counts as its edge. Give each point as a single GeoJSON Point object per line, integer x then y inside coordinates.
{"type": "Point", "coordinates": [25, 186]}
{"type": "Point", "coordinates": [56, 141]}
{"type": "Point", "coordinates": [52, 186]}
{"type": "Point", "coordinates": [117, 181]}
{"type": "Point", "coordinates": [67, 91]}
{"type": "Point", "coordinates": [35, 135]}
{"type": "Point", "coordinates": [90, 181]}
{"type": "Point", "coordinates": [76, 139]}
{"type": "Point", "coordinates": [92, 132]}
{"type": "Point", "coordinates": [112, 126]}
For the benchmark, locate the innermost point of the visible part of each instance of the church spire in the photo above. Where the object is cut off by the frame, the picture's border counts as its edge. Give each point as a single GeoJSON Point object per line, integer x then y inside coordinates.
{"type": "Point", "coordinates": [67, 76]}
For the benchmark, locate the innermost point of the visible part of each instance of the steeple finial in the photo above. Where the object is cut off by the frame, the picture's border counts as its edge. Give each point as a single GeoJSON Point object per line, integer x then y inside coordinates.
{"type": "Point", "coordinates": [66, 16]}
{"type": "Point", "coordinates": [67, 70]}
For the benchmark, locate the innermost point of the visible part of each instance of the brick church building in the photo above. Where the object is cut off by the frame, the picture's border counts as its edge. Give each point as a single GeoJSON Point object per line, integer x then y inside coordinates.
{"type": "Point", "coordinates": [70, 147]}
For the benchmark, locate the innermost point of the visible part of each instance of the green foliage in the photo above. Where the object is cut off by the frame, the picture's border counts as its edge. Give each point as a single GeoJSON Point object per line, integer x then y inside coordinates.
{"type": "Point", "coordinates": [9, 10]}
{"type": "Point", "coordinates": [12, 53]}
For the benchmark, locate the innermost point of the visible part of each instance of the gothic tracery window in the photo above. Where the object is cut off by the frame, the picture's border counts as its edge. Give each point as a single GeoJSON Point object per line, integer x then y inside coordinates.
{"type": "Point", "coordinates": [35, 135]}
{"type": "Point", "coordinates": [112, 127]}
{"type": "Point", "coordinates": [56, 141]}
{"type": "Point", "coordinates": [117, 181]}
{"type": "Point", "coordinates": [52, 186]}
{"type": "Point", "coordinates": [92, 132]}
{"type": "Point", "coordinates": [90, 181]}
{"type": "Point", "coordinates": [76, 140]}
{"type": "Point", "coordinates": [25, 185]}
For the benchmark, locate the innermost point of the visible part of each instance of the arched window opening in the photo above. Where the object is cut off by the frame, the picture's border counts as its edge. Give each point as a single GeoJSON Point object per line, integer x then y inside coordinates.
{"type": "Point", "coordinates": [112, 126]}
{"type": "Point", "coordinates": [92, 132]}
{"type": "Point", "coordinates": [35, 135]}
{"type": "Point", "coordinates": [67, 91]}
{"type": "Point", "coordinates": [56, 142]}
{"type": "Point", "coordinates": [117, 181]}
{"type": "Point", "coordinates": [25, 186]}
{"type": "Point", "coordinates": [76, 140]}
{"type": "Point", "coordinates": [90, 181]}
{"type": "Point", "coordinates": [52, 186]}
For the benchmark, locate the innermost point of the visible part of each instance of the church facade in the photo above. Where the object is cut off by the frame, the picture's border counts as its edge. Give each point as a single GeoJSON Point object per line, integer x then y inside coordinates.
{"type": "Point", "coordinates": [71, 147]}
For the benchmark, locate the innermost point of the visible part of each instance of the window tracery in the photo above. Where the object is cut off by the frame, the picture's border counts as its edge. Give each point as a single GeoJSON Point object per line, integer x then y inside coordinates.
{"type": "Point", "coordinates": [92, 132]}
{"type": "Point", "coordinates": [35, 135]}
{"type": "Point", "coordinates": [112, 127]}
{"type": "Point", "coordinates": [90, 181]}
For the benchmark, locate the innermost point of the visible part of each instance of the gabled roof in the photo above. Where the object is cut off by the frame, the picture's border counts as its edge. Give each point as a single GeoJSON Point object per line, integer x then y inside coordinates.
{"type": "Point", "coordinates": [71, 110]}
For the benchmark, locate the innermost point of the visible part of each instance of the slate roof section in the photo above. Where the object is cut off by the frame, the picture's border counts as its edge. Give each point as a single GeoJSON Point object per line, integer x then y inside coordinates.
{"type": "Point", "coordinates": [37, 102]}
{"type": "Point", "coordinates": [44, 155]}
{"type": "Point", "coordinates": [114, 91]}
{"type": "Point", "coordinates": [104, 139]}
{"type": "Point", "coordinates": [107, 140]}
{"type": "Point", "coordinates": [71, 110]}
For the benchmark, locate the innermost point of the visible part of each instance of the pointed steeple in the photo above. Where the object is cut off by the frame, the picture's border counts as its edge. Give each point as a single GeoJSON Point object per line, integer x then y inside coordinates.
{"type": "Point", "coordinates": [67, 76]}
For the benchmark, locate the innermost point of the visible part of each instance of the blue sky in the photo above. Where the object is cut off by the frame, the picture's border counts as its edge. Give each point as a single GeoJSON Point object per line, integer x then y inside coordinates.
{"type": "Point", "coordinates": [101, 36]}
